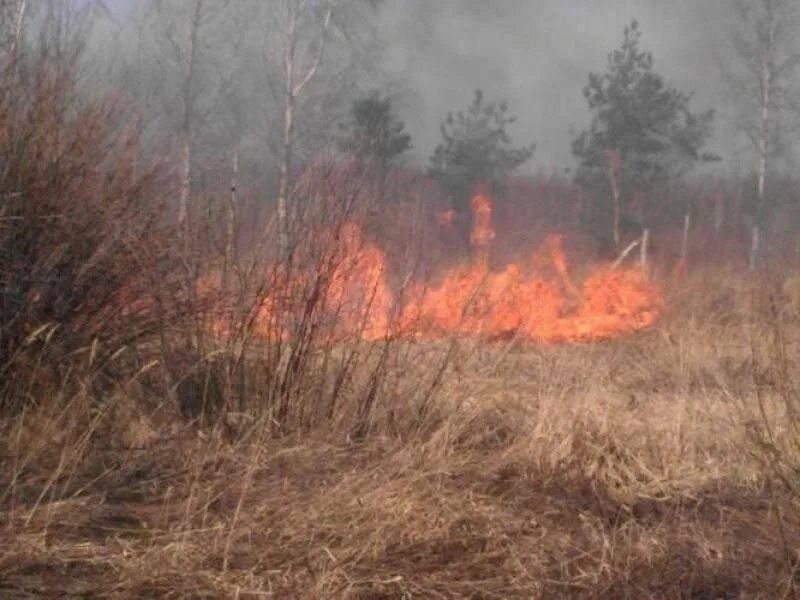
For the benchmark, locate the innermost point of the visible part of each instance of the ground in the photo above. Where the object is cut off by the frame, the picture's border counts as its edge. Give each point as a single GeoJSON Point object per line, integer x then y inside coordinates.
{"type": "Point", "coordinates": [639, 467]}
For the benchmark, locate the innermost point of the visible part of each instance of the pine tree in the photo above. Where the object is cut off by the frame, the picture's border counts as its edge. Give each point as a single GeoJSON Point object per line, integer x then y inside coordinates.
{"type": "Point", "coordinates": [374, 135]}
{"type": "Point", "coordinates": [642, 133]}
{"type": "Point", "coordinates": [476, 149]}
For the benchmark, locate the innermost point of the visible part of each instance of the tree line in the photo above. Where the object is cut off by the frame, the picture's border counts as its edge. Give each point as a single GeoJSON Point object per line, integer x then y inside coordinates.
{"type": "Point", "coordinates": [264, 87]}
{"type": "Point", "coordinates": [643, 133]}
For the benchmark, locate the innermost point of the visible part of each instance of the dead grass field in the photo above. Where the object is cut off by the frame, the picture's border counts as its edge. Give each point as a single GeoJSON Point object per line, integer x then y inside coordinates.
{"type": "Point", "coordinates": [637, 468]}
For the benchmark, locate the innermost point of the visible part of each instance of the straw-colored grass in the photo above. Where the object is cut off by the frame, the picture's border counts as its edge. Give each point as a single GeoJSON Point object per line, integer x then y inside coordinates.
{"type": "Point", "coordinates": [634, 468]}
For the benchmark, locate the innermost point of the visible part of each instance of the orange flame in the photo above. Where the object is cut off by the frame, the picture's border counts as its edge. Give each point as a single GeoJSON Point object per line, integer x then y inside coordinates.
{"type": "Point", "coordinates": [473, 300]}
{"type": "Point", "coordinates": [447, 217]}
{"type": "Point", "coordinates": [482, 233]}
{"type": "Point", "coordinates": [518, 301]}
{"type": "Point", "coordinates": [358, 292]}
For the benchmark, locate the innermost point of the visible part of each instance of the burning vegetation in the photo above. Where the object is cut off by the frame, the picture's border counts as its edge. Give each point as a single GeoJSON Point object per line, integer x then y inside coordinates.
{"type": "Point", "coordinates": [325, 383]}
{"type": "Point", "coordinates": [518, 300]}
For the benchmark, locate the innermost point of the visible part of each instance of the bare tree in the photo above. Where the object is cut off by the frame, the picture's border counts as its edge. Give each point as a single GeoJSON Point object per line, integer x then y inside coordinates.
{"type": "Point", "coordinates": [614, 169]}
{"type": "Point", "coordinates": [299, 68]}
{"type": "Point", "coordinates": [184, 32]}
{"type": "Point", "coordinates": [762, 77]}
{"type": "Point", "coordinates": [185, 54]}
{"type": "Point", "coordinates": [305, 34]}
{"type": "Point", "coordinates": [188, 114]}
{"type": "Point", "coordinates": [13, 14]}
{"type": "Point", "coordinates": [233, 115]}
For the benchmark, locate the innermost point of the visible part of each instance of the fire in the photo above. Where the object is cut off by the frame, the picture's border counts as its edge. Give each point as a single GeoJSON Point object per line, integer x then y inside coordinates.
{"type": "Point", "coordinates": [518, 301]}
{"type": "Point", "coordinates": [482, 233]}
{"type": "Point", "coordinates": [471, 300]}
{"type": "Point", "coordinates": [346, 294]}
{"type": "Point", "coordinates": [358, 293]}
{"type": "Point", "coordinates": [447, 217]}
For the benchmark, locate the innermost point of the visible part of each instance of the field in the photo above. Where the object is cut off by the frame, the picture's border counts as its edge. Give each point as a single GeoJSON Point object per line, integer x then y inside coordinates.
{"type": "Point", "coordinates": [662, 464]}
{"type": "Point", "coordinates": [254, 343]}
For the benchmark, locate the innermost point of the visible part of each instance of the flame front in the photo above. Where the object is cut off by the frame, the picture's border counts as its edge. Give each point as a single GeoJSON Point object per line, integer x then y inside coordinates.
{"type": "Point", "coordinates": [518, 301]}
{"type": "Point", "coordinates": [473, 300]}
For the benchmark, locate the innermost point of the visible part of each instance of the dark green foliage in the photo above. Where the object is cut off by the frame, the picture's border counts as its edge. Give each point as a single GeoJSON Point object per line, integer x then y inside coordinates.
{"type": "Point", "coordinates": [374, 134]}
{"type": "Point", "coordinates": [476, 148]}
{"type": "Point", "coordinates": [641, 121]}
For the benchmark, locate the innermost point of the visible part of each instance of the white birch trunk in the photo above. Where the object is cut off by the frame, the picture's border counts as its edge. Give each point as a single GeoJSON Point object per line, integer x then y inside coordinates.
{"type": "Point", "coordinates": [19, 19]}
{"type": "Point", "coordinates": [765, 98]}
{"type": "Point", "coordinates": [292, 91]}
{"type": "Point", "coordinates": [614, 169]}
{"type": "Point", "coordinates": [188, 118]}
{"type": "Point", "coordinates": [755, 246]}
{"type": "Point", "coordinates": [685, 240]}
{"type": "Point", "coordinates": [643, 256]}
{"type": "Point", "coordinates": [231, 223]}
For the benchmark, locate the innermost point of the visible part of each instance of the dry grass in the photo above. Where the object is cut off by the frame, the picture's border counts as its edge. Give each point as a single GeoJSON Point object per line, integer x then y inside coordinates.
{"type": "Point", "coordinates": [631, 468]}
{"type": "Point", "coordinates": [140, 457]}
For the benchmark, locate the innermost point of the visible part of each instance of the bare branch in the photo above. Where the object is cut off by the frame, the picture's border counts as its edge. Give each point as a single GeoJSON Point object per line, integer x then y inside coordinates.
{"type": "Point", "coordinates": [624, 254]}
{"type": "Point", "coordinates": [318, 59]}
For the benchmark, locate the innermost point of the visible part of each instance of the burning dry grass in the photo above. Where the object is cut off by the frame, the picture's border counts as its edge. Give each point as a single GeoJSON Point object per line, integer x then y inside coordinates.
{"type": "Point", "coordinates": [618, 469]}
{"type": "Point", "coordinates": [340, 276]}
{"type": "Point", "coordinates": [305, 448]}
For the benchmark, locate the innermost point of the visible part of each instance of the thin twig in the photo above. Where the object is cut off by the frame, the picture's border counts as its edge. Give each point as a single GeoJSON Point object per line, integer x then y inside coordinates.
{"type": "Point", "coordinates": [624, 254]}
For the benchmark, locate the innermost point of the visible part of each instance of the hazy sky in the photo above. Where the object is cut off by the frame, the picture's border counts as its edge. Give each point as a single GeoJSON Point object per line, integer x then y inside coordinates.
{"type": "Point", "coordinates": [538, 53]}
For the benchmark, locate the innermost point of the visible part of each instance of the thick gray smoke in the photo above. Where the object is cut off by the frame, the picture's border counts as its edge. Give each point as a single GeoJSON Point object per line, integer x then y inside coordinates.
{"type": "Point", "coordinates": [537, 54]}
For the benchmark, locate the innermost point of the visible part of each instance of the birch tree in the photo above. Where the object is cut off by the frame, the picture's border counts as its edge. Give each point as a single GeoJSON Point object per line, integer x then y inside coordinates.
{"type": "Point", "coordinates": [233, 116]}
{"type": "Point", "coordinates": [188, 112]}
{"type": "Point", "coordinates": [302, 58]}
{"type": "Point", "coordinates": [642, 133]}
{"type": "Point", "coordinates": [326, 48]}
{"type": "Point", "coordinates": [182, 70]}
{"type": "Point", "coordinates": [181, 28]}
{"type": "Point", "coordinates": [763, 77]}
{"type": "Point", "coordinates": [13, 14]}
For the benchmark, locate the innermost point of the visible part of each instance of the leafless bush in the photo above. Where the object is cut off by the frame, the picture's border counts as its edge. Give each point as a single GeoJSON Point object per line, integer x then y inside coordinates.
{"type": "Point", "coordinates": [306, 340]}
{"type": "Point", "coordinates": [774, 424]}
{"type": "Point", "coordinates": [83, 237]}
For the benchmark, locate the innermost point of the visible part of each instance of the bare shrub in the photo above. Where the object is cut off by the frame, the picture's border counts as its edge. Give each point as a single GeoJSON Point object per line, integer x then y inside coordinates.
{"type": "Point", "coordinates": [306, 341]}
{"type": "Point", "coordinates": [774, 423]}
{"type": "Point", "coordinates": [82, 235]}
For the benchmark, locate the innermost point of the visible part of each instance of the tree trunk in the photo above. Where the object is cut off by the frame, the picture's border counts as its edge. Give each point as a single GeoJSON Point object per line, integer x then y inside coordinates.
{"type": "Point", "coordinates": [643, 256]}
{"type": "Point", "coordinates": [617, 214]}
{"type": "Point", "coordinates": [685, 241]}
{"type": "Point", "coordinates": [755, 246]}
{"type": "Point", "coordinates": [288, 130]}
{"type": "Point", "coordinates": [230, 224]}
{"type": "Point", "coordinates": [763, 144]}
{"type": "Point", "coordinates": [719, 212]}
{"type": "Point", "coordinates": [188, 117]}
{"type": "Point", "coordinates": [186, 183]}
{"type": "Point", "coordinates": [292, 90]}
{"type": "Point", "coordinates": [19, 19]}
{"type": "Point", "coordinates": [285, 174]}
{"type": "Point", "coordinates": [614, 168]}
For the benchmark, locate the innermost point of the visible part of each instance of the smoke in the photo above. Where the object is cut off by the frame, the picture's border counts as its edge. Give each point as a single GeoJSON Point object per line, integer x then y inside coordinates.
{"type": "Point", "coordinates": [538, 55]}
